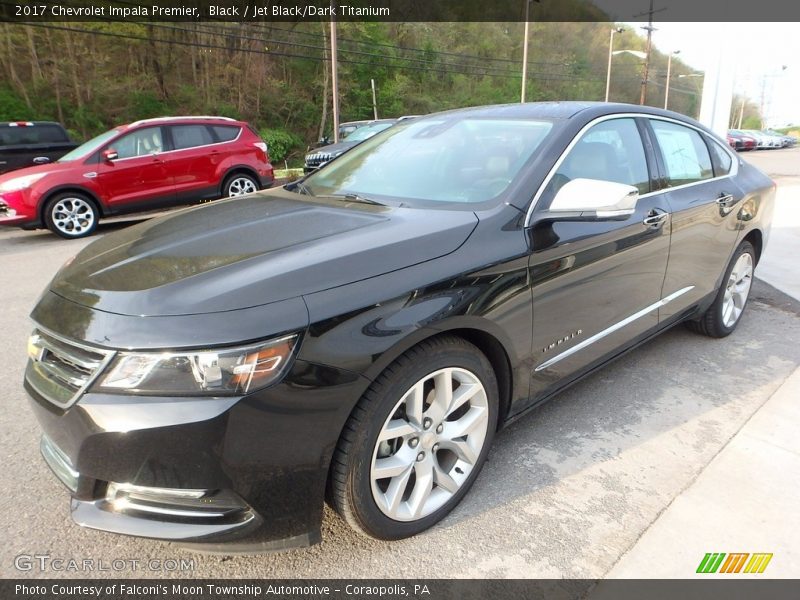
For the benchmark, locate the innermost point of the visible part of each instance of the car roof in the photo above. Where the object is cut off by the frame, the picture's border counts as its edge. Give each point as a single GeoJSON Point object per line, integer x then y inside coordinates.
{"type": "Point", "coordinates": [206, 120]}
{"type": "Point", "coordinates": [560, 110]}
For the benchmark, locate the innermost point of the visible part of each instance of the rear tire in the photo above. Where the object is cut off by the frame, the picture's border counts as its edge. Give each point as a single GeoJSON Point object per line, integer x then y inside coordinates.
{"type": "Point", "coordinates": [724, 314]}
{"type": "Point", "coordinates": [239, 184]}
{"type": "Point", "coordinates": [414, 444]}
{"type": "Point", "coordinates": [71, 215]}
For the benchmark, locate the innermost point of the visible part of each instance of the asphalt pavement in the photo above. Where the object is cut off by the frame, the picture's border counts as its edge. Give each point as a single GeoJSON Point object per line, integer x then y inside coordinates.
{"type": "Point", "coordinates": [576, 489]}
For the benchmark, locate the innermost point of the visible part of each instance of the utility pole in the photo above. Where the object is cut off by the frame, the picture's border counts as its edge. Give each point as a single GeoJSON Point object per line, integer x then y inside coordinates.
{"type": "Point", "coordinates": [334, 78]}
{"type": "Point", "coordinates": [669, 74]}
{"type": "Point", "coordinates": [741, 113]}
{"type": "Point", "coordinates": [650, 29]}
{"type": "Point", "coordinates": [525, 52]}
{"type": "Point", "coordinates": [374, 100]}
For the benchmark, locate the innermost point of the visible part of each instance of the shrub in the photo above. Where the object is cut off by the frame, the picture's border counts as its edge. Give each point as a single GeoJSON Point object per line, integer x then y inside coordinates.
{"type": "Point", "coordinates": [280, 143]}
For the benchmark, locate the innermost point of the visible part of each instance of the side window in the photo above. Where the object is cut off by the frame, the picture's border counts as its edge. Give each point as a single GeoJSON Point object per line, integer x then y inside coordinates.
{"type": "Point", "coordinates": [189, 136]}
{"type": "Point", "coordinates": [225, 133]}
{"type": "Point", "coordinates": [139, 143]}
{"type": "Point", "coordinates": [685, 153]}
{"type": "Point", "coordinates": [720, 157]}
{"type": "Point", "coordinates": [609, 151]}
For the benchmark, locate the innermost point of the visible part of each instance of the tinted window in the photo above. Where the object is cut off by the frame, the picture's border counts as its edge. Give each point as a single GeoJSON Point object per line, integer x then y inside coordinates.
{"type": "Point", "coordinates": [720, 157]}
{"type": "Point", "coordinates": [139, 143]}
{"type": "Point", "coordinates": [455, 159]}
{"type": "Point", "coordinates": [225, 133]}
{"type": "Point", "coordinates": [189, 136]}
{"type": "Point", "coordinates": [685, 154]}
{"type": "Point", "coordinates": [609, 151]}
{"type": "Point", "coordinates": [32, 134]}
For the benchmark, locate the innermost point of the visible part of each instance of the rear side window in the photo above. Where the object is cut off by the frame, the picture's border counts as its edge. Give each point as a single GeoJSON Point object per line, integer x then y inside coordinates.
{"type": "Point", "coordinates": [190, 136]}
{"type": "Point", "coordinates": [32, 134]}
{"type": "Point", "coordinates": [720, 158]}
{"type": "Point", "coordinates": [225, 133]}
{"type": "Point", "coordinates": [685, 153]}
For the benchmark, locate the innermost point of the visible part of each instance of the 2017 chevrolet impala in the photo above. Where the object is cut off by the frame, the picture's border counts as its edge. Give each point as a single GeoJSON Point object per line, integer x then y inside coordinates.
{"type": "Point", "coordinates": [214, 375]}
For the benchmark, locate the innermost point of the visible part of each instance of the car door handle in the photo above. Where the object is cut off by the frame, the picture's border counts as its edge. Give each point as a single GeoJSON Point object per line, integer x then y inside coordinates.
{"type": "Point", "coordinates": [725, 200]}
{"type": "Point", "coordinates": [41, 160]}
{"type": "Point", "coordinates": [655, 219]}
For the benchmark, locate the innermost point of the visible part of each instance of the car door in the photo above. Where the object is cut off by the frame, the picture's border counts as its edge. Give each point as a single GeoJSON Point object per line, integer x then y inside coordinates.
{"type": "Point", "coordinates": [703, 199]}
{"type": "Point", "coordinates": [138, 174]}
{"type": "Point", "coordinates": [596, 285]}
{"type": "Point", "coordinates": [193, 162]}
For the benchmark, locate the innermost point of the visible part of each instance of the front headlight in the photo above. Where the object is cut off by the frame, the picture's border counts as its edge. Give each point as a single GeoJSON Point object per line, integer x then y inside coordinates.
{"type": "Point", "coordinates": [222, 372]}
{"type": "Point", "coordinates": [20, 183]}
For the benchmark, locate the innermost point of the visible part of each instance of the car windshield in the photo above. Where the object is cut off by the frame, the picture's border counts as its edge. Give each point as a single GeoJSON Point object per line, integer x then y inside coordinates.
{"type": "Point", "coordinates": [366, 132]}
{"type": "Point", "coordinates": [449, 159]}
{"type": "Point", "coordinates": [87, 148]}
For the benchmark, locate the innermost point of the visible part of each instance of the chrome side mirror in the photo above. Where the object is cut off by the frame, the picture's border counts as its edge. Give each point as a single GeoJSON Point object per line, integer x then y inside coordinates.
{"type": "Point", "coordinates": [592, 200]}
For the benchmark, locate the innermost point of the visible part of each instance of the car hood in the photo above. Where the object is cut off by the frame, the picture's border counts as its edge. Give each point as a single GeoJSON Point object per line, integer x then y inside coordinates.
{"type": "Point", "coordinates": [252, 251]}
{"type": "Point", "coordinates": [46, 169]}
{"type": "Point", "coordinates": [334, 148]}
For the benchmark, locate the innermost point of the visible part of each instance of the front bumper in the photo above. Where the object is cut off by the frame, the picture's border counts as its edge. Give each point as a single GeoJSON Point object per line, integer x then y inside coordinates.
{"type": "Point", "coordinates": [259, 463]}
{"type": "Point", "coordinates": [14, 210]}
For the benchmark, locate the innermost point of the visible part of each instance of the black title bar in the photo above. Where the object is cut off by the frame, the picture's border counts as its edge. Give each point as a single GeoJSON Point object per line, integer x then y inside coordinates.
{"type": "Point", "coordinates": [398, 10]}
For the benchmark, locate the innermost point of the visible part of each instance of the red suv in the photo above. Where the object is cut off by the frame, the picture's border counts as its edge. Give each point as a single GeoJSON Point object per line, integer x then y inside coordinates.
{"type": "Point", "coordinates": [145, 165]}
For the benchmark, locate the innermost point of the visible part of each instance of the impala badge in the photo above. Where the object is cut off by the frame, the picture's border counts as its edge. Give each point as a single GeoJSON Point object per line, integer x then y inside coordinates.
{"type": "Point", "coordinates": [562, 340]}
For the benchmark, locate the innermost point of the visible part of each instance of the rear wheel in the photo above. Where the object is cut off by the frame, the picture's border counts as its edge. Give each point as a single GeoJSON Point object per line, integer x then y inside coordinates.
{"type": "Point", "coordinates": [724, 314]}
{"type": "Point", "coordinates": [417, 440]}
{"type": "Point", "coordinates": [71, 215]}
{"type": "Point", "coordinates": [239, 184]}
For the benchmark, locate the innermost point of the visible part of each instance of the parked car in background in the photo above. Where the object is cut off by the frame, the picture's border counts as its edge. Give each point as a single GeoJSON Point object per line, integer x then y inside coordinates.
{"type": "Point", "coordinates": [320, 156]}
{"type": "Point", "coordinates": [786, 141]}
{"type": "Point", "coordinates": [148, 164]}
{"type": "Point", "coordinates": [27, 143]}
{"type": "Point", "coordinates": [361, 334]}
{"type": "Point", "coordinates": [741, 141]}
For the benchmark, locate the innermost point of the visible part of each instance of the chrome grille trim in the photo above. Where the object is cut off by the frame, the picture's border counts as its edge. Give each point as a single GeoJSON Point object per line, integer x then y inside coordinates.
{"type": "Point", "coordinates": [62, 366]}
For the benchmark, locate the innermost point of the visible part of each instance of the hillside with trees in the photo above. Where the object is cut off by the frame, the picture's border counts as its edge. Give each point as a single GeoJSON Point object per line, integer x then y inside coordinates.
{"type": "Point", "coordinates": [92, 76]}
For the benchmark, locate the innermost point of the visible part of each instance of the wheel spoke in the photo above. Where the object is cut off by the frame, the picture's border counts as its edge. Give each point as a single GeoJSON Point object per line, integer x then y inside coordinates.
{"type": "Point", "coordinates": [462, 450]}
{"type": "Point", "coordinates": [397, 488]}
{"type": "Point", "coordinates": [443, 480]}
{"type": "Point", "coordinates": [391, 466]}
{"type": "Point", "coordinates": [395, 429]}
{"type": "Point", "coordinates": [464, 393]}
{"type": "Point", "coordinates": [414, 404]}
{"type": "Point", "coordinates": [442, 395]}
{"type": "Point", "coordinates": [423, 485]}
{"type": "Point", "coordinates": [473, 418]}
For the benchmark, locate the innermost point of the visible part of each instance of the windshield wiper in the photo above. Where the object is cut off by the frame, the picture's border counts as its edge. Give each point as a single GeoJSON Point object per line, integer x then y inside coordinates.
{"type": "Point", "coordinates": [355, 198]}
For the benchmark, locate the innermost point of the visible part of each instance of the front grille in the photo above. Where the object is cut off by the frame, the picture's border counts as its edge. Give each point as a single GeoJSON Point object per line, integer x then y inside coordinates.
{"type": "Point", "coordinates": [315, 160]}
{"type": "Point", "coordinates": [60, 369]}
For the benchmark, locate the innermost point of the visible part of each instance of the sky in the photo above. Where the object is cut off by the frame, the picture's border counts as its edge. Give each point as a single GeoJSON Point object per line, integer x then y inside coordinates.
{"type": "Point", "coordinates": [759, 52]}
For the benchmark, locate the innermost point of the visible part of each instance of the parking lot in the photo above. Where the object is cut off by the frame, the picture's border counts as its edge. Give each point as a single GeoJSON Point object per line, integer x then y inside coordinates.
{"type": "Point", "coordinates": [567, 491]}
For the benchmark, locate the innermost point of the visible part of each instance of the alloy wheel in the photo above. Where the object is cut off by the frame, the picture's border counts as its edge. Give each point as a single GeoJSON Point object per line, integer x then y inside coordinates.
{"type": "Point", "coordinates": [73, 216]}
{"type": "Point", "coordinates": [737, 289]}
{"type": "Point", "coordinates": [429, 445]}
{"type": "Point", "coordinates": [241, 186]}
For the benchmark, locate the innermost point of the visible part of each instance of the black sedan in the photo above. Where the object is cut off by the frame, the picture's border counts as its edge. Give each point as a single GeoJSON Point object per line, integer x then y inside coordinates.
{"type": "Point", "coordinates": [213, 376]}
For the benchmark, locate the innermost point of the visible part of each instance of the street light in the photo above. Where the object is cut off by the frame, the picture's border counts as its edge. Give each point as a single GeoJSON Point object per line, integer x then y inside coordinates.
{"type": "Point", "coordinates": [669, 72]}
{"type": "Point", "coordinates": [610, 54]}
{"type": "Point", "coordinates": [525, 52]}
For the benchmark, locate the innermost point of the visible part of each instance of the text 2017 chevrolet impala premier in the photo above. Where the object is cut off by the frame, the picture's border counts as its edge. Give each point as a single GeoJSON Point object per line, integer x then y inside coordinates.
{"type": "Point", "coordinates": [212, 376]}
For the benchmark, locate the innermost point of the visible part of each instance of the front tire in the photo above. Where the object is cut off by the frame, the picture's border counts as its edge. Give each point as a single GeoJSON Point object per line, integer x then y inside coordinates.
{"type": "Point", "coordinates": [71, 215]}
{"type": "Point", "coordinates": [416, 441]}
{"type": "Point", "coordinates": [724, 314]}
